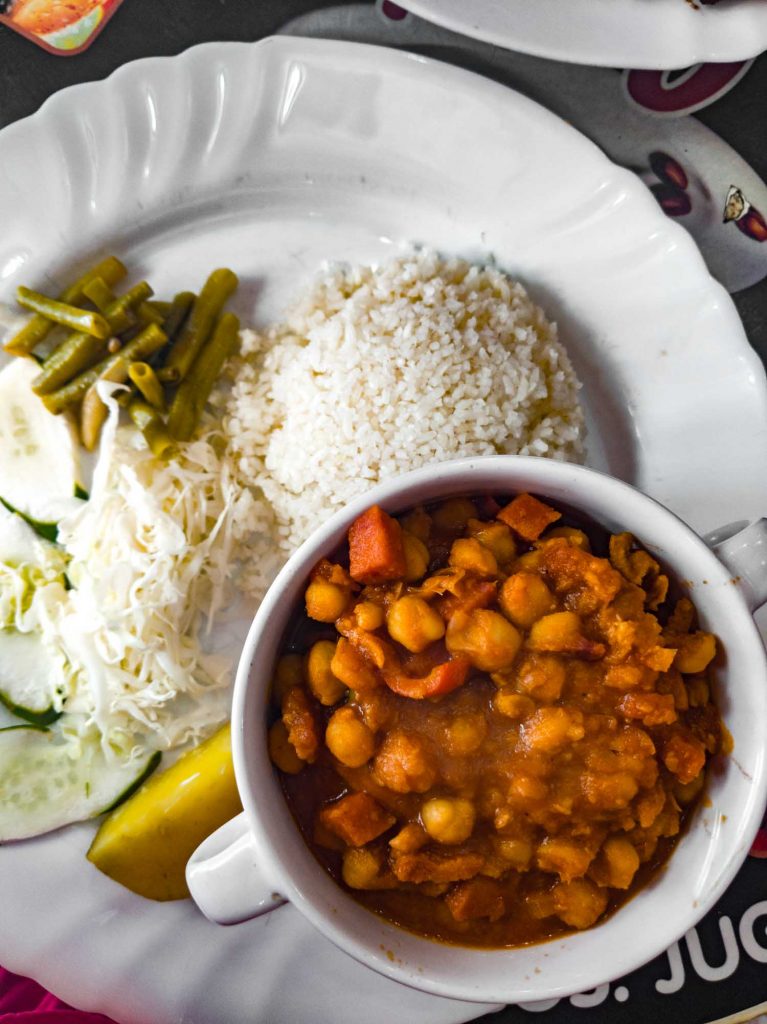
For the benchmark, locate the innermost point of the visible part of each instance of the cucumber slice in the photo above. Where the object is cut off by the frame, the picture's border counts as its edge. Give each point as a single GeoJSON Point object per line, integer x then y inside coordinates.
{"type": "Point", "coordinates": [18, 542]}
{"type": "Point", "coordinates": [28, 677]}
{"type": "Point", "coordinates": [39, 465]}
{"type": "Point", "coordinates": [43, 786]}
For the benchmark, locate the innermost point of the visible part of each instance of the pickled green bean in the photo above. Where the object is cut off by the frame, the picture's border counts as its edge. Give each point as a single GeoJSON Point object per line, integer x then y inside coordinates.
{"type": "Point", "coordinates": [196, 331]}
{"type": "Point", "coordinates": [145, 379]}
{"type": "Point", "coordinates": [76, 353]}
{"type": "Point", "coordinates": [193, 392]}
{"type": "Point", "coordinates": [168, 375]}
{"type": "Point", "coordinates": [179, 310]}
{"type": "Point", "coordinates": [151, 425]}
{"type": "Point", "coordinates": [93, 411]}
{"type": "Point", "coordinates": [141, 347]}
{"type": "Point", "coordinates": [99, 293]}
{"type": "Point", "coordinates": [111, 270]}
{"type": "Point", "coordinates": [76, 319]}
{"type": "Point", "coordinates": [159, 306]}
{"type": "Point", "coordinates": [148, 315]}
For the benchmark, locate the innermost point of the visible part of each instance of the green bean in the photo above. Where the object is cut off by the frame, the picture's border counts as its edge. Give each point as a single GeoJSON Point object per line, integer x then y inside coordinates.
{"type": "Point", "coordinates": [76, 353]}
{"type": "Point", "coordinates": [151, 425]}
{"type": "Point", "coordinates": [121, 313]}
{"type": "Point", "coordinates": [163, 308]}
{"type": "Point", "coordinates": [93, 411]}
{"type": "Point", "coordinates": [145, 379]}
{"type": "Point", "coordinates": [99, 293]}
{"type": "Point", "coordinates": [38, 328]}
{"type": "Point", "coordinates": [63, 313]}
{"type": "Point", "coordinates": [168, 375]}
{"type": "Point", "coordinates": [192, 394]}
{"type": "Point", "coordinates": [179, 310]}
{"type": "Point", "coordinates": [141, 347]}
{"type": "Point", "coordinates": [196, 330]}
{"type": "Point", "coordinates": [148, 315]}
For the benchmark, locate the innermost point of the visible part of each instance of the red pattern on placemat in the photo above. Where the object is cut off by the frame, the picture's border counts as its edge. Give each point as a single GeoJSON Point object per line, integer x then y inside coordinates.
{"type": "Point", "coordinates": [25, 1002]}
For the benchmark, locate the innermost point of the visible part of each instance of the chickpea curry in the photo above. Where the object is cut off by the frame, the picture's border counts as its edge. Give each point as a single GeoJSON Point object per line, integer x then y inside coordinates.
{"type": "Point", "coordinates": [491, 725]}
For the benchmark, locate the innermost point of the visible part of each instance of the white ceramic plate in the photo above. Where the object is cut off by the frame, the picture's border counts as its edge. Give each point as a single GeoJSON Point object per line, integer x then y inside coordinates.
{"type": "Point", "coordinates": [269, 158]}
{"type": "Point", "coordinates": [661, 34]}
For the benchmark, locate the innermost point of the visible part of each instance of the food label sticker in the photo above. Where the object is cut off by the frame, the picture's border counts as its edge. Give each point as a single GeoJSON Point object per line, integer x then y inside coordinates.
{"type": "Point", "coordinates": [63, 27]}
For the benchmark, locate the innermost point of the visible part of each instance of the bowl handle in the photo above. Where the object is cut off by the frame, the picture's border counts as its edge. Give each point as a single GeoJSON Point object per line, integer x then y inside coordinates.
{"type": "Point", "coordinates": [224, 878]}
{"type": "Point", "coordinates": [743, 549]}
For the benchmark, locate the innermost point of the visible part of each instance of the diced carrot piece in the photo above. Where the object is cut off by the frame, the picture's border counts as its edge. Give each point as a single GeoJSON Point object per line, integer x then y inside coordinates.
{"type": "Point", "coordinates": [478, 898]}
{"type": "Point", "coordinates": [527, 516]}
{"type": "Point", "coordinates": [356, 818]}
{"type": "Point", "coordinates": [376, 549]}
{"type": "Point", "coordinates": [442, 679]}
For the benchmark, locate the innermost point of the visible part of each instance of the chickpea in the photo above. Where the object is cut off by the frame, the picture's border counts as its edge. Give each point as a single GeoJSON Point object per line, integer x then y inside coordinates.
{"type": "Point", "coordinates": [405, 763]}
{"type": "Point", "coordinates": [453, 515]}
{"type": "Point", "coordinates": [696, 651]}
{"type": "Point", "coordinates": [542, 676]}
{"type": "Point", "coordinates": [409, 839]}
{"type": "Point", "coordinates": [525, 598]}
{"type": "Point", "coordinates": [319, 675]}
{"type": "Point", "coordinates": [465, 734]}
{"type": "Point", "coordinates": [417, 523]}
{"type": "Point", "coordinates": [513, 705]}
{"type": "Point", "coordinates": [530, 561]}
{"type": "Point", "coordinates": [497, 537]}
{"type": "Point", "coordinates": [518, 852]}
{"type": "Point", "coordinates": [361, 868]}
{"type": "Point", "coordinates": [486, 637]}
{"type": "Point", "coordinates": [467, 553]}
{"type": "Point", "coordinates": [616, 865]}
{"type": "Point", "coordinates": [579, 903]}
{"type": "Point", "coordinates": [288, 673]}
{"type": "Point", "coordinates": [525, 788]}
{"type": "Point", "coordinates": [563, 632]}
{"type": "Point", "coordinates": [576, 537]}
{"type": "Point", "coordinates": [414, 624]}
{"type": "Point", "coordinates": [369, 615]}
{"type": "Point", "coordinates": [448, 819]}
{"type": "Point", "coordinates": [325, 601]}
{"type": "Point", "coordinates": [552, 728]}
{"type": "Point", "coordinates": [416, 557]}
{"type": "Point", "coordinates": [282, 751]}
{"type": "Point", "coordinates": [348, 738]}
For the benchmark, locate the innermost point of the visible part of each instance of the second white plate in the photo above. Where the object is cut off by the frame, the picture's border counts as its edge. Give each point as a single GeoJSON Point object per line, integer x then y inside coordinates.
{"type": "Point", "coordinates": [270, 158]}
{"type": "Point", "coordinates": [660, 34]}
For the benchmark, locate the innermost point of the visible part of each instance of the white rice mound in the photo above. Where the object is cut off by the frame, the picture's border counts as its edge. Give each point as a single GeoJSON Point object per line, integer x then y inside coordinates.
{"type": "Point", "coordinates": [379, 370]}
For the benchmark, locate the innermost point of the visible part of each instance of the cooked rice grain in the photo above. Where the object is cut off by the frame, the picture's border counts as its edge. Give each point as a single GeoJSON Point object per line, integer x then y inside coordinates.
{"type": "Point", "coordinates": [381, 370]}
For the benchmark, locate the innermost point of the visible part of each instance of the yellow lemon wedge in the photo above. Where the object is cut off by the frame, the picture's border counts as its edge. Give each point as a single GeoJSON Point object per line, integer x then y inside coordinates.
{"type": "Point", "coordinates": [145, 843]}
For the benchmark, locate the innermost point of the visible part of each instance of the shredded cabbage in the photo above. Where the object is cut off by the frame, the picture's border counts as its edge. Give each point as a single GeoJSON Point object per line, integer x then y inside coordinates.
{"type": "Point", "coordinates": [151, 559]}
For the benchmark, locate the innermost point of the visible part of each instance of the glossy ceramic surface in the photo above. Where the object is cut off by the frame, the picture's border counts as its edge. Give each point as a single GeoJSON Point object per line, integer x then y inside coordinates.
{"type": "Point", "coordinates": [660, 34]}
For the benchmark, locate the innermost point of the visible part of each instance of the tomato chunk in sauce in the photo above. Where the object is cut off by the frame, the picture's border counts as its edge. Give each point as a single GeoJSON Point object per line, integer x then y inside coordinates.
{"type": "Point", "coordinates": [491, 729]}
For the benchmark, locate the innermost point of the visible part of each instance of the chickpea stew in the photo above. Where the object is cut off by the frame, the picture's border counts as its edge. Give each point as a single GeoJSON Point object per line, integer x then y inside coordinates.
{"type": "Point", "coordinates": [491, 725]}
